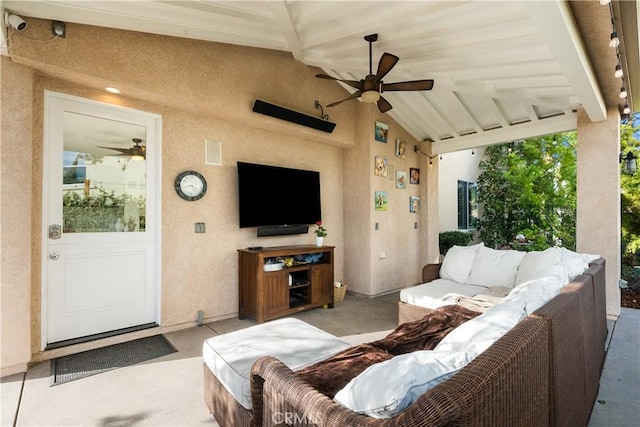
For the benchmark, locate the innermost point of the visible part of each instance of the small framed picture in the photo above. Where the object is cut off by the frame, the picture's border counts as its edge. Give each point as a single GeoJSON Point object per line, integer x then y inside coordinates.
{"type": "Point", "coordinates": [381, 200]}
{"type": "Point", "coordinates": [414, 176]}
{"type": "Point", "coordinates": [392, 171]}
{"type": "Point", "coordinates": [382, 132]}
{"type": "Point", "coordinates": [380, 167]}
{"type": "Point", "coordinates": [401, 179]}
{"type": "Point", "coordinates": [401, 148]}
{"type": "Point", "coordinates": [414, 204]}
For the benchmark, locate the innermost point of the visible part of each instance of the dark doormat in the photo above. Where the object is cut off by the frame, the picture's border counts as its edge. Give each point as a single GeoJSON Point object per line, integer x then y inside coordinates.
{"type": "Point", "coordinates": [92, 362]}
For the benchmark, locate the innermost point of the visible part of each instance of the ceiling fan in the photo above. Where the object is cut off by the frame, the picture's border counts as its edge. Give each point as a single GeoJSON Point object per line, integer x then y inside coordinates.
{"type": "Point", "coordinates": [370, 88]}
{"type": "Point", "coordinates": [136, 152]}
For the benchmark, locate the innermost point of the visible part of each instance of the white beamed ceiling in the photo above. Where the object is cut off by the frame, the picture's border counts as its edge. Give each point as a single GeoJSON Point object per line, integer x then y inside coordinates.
{"type": "Point", "coordinates": [503, 69]}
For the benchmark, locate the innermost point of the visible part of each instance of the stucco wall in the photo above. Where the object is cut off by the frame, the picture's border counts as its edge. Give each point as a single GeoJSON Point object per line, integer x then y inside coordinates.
{"type": "Point", "coordinates": [459, 165]}
{"type": "Point", "coordinates": [205, 91]}
{"type": "Point", "coordinates": [394, 252]}
{"type": "Point", "coordinates": [15, 214]}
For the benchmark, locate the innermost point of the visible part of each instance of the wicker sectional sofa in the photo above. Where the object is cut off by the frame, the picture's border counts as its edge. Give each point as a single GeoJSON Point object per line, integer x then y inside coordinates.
{"type": "Point", "coordinates": [544, 371]}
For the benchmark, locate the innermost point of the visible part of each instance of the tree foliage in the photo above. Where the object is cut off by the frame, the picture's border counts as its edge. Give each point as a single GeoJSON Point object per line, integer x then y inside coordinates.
{"type": "Point", "coordinates": [630, 194]}
{"type": "Point", "coordinates": [529, 187]}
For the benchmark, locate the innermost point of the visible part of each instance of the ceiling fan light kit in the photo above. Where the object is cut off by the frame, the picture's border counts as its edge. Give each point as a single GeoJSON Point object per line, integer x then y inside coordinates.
{"type": "Point", "coordinates": [370, 88]}
{"type": "Point", "coordinates": [370, 96]}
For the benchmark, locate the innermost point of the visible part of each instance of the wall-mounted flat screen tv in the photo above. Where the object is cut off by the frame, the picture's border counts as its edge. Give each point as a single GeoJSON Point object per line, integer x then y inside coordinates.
{"type": "Point", "coordinates": [272, 196]}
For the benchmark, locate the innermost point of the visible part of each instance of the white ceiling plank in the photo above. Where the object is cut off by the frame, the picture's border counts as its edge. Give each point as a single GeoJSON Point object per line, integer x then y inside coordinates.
{"type": "Point", "coordinates": [287, 26]}
{"type": "Point", "coordinates": [547, 126]}
{"type": "Point", "coordinates": [531, 112]}
{"type": "Point", "coordinates": [497, 111]}
{"type": "Point", "coordinates": [466, 111]}
{"type": "Point", "coordinates": [559, 30]}
{"type": "Point", "coordinates": [418, 124]}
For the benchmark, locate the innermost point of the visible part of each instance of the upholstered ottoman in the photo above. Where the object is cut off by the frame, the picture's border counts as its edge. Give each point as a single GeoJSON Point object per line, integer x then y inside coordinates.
{"type": "Point", "coordinates": [228, 359]}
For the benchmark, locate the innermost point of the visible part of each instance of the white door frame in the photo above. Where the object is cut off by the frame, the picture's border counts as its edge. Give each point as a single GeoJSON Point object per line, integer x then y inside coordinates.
{"type": "Point", "coordinates": [156, 133]}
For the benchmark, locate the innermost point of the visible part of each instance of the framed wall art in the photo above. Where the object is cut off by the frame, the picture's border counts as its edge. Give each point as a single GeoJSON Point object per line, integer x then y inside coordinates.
{"type": "Point", "coordinates": [381, 132]}
{"type": "Point", "coordinates": [414, 176]}
{"type": "Point", "coordinates": [414, 204]}
{"type": "Point", "coordinates": [401, 179]}
{"type": "Point", "coordinates": [381, 200]}
{"type": "Point", "coordinates": [380, 166]}
{"type": "Point", "coordinates": [401, 148]}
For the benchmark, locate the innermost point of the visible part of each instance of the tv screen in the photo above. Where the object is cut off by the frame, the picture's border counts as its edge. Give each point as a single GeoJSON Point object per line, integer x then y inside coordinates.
{"type": "Point", "coordinates": [275, 196]}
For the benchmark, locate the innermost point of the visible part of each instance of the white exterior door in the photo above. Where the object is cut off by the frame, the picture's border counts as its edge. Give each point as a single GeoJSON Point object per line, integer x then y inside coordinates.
{"type": "Point", "coordinates": [100, 218]}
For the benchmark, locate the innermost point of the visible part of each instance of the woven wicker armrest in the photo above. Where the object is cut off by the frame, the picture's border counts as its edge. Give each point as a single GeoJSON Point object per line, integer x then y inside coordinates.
{"type": "Point", "coordinates": [289, 400]}
{"type": "Point", "coordinates": [430, 272]}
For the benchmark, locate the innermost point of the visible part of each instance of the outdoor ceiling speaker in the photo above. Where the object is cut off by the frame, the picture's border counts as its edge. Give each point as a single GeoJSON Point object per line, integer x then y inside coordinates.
{"type": "Point", "coordinates": [282, 113]}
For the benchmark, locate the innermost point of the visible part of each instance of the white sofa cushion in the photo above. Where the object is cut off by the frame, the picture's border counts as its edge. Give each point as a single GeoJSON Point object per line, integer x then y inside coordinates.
{"type": "Point", "coordinates": [437, 293]}
{"type": "Point", "coordinates": [477, 334]}
{"type": "Point", "coordinates": [457, 263]}
{"type": "Point", "coordinates": [296, 343]}
{"type": "Point", "coordinates": [535, 262]}
{"type": "Point", "coordinates": [495, 268]}
{"type": "Point", "coordinates": [385, 389]}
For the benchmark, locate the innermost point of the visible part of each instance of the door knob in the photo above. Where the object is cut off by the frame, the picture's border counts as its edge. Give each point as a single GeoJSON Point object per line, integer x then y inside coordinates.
{"type": "Point", "coordinates": [54, 255]}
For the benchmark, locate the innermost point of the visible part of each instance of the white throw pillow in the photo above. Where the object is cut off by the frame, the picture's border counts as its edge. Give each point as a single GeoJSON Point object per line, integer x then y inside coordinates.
{"type": "Point", "coordinates": [588, 258]}
{"type": "Point", "coordinates": [495, 268]}
{"type": "Point", "coordinates": [536, 261]}
{"type": "Point", "coordinates": [385, 389]}
{"type": "Point", "coordinates": [457, 262]}
{"type": "Point", "coordinates": [573, 262]}
{"type": "Point", "coordinates": [476, 335]}
{"type": "Point", "coordinates": [537, 292]}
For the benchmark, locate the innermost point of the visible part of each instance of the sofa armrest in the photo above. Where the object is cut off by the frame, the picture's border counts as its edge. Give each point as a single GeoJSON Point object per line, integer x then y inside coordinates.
{"type": "Point", "coordinates": [286, 399]}
{"type": "Point", "coordinates": [430, 272]}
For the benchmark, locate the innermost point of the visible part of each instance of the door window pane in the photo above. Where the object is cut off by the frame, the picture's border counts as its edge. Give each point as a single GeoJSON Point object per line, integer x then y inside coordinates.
{"type": "Point", "coordinates": [104, 175]}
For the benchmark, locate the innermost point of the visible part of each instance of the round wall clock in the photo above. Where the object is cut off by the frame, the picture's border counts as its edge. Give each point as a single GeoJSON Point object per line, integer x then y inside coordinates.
{"type": "Point", "coordinates": [190, 185]}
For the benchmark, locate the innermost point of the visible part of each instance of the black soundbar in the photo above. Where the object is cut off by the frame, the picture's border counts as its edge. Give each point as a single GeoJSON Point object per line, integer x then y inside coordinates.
{"type": "Point", "coordinates": [292, 116]}
{"type": "Point", "coordinates": [281, 230]}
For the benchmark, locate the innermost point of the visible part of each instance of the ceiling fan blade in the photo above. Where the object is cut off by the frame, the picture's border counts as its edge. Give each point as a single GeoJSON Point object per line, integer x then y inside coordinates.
{"type": "Point", "coordinates": [387, 62]}
{"type": "Point", "coordinates": [412, 85]}
{"type": "Point", "coordinates": [383, 105]}
{"type": "Point", "coordinates": [352, 83]}
{"type": "Point", "coordinates": [122, 150]}
{"type": "Point", "coordinates": [354, 95]}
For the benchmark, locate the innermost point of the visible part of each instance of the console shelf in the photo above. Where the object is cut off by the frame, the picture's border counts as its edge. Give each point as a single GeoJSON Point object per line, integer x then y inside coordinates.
{"type": "Point", "coordinates": [266, 295]}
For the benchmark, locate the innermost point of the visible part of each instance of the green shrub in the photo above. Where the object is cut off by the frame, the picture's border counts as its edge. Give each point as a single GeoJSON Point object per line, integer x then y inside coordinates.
{"type": "Point", "coordinates": [451, 238]}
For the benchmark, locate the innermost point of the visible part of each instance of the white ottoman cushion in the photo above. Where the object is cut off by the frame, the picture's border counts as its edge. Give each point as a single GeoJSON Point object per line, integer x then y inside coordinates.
{"type": "Point", "coordinates": [294, 342]}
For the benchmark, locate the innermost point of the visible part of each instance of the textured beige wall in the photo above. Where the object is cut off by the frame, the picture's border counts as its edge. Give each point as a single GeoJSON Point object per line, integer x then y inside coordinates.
{"type": "Point", "coordinates": [15, 214]}
{"type": "Point", "coordinates": [598, 195]}
{"type": "Point", "coordinates": [386, 259]}
{"type": "Point", "coordinates": [396, 236]}
{"type": "Point", "coordinates": [429, 215]}
{"type": "Point", "coordinates": [205, 91]}
{"type": "Point", "coordinates": [460, 165]}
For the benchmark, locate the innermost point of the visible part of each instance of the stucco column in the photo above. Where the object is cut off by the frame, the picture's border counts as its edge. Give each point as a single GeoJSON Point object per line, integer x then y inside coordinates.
{"type": "Point", "coordinates": [429, 212]}
{"type": "Point", "coordinates": [16, 179]}
{"type": "Point", "coordinates": [598, 197]}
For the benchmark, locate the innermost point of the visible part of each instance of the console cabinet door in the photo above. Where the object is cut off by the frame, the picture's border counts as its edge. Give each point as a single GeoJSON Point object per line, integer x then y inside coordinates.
{"type": "Point", "coordinates": [322, 284]}
{"type": "Point", "coordinates": [276, 293]}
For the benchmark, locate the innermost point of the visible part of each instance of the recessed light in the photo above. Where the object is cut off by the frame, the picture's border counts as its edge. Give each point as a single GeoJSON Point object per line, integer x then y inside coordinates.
{"type": "Point", "coordinates": [112, 89]}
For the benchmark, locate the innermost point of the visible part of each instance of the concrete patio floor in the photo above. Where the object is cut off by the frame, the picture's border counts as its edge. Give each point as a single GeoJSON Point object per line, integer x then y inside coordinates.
{"type": "Point", "coordinates": [168, 391]}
